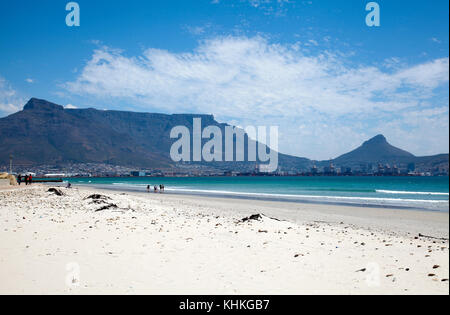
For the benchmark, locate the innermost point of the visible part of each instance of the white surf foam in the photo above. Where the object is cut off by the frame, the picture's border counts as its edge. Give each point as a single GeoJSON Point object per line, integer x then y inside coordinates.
{"type": "Point", "coordinates": [395, 192]}
{"type": "Point", "coordinates": [331, 198]}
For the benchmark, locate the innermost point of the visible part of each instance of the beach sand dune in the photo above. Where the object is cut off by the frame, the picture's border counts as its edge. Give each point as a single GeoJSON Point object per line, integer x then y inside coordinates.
{"type": "Point", "coordinates": [90, 241]}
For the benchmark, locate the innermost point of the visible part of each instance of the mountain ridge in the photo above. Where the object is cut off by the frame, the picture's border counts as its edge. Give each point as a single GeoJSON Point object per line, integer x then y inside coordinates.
{"type": "Point", "coordinates": [44, 132]}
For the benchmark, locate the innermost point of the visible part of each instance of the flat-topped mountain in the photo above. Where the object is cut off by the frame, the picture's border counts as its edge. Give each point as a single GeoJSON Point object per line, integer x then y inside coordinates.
{"type": "Point", "coordinates": [47, 133]}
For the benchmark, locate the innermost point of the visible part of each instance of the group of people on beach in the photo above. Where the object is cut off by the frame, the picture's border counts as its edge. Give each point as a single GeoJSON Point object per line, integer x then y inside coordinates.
{"type": "Point", "coordinates": [155, 189]}
{"type": "Point", "coordinates": [27, 179]}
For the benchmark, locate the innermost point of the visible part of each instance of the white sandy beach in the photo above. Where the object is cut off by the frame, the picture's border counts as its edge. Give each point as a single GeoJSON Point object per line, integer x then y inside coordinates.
{"type": "Point", "coordinates": [173, 244]}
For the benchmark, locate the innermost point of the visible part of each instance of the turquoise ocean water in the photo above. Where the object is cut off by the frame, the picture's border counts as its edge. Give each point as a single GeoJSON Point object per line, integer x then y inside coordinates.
{"type": "Point", "coordinates": [429, 193]}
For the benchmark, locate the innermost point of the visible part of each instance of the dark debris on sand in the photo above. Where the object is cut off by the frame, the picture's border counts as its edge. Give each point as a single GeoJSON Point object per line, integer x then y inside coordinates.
{"type": "Point", "coordinates": [56, 191]}
{"type": "Point", "coordinates": [255, 217]}
{"type": "Point", "coordinates": [97, 197]}
{"type": "Point", "coordinates": [107, 207]}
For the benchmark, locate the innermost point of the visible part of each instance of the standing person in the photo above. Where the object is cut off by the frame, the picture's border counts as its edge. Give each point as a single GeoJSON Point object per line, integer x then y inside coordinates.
{"type": "Point", "coordinates": [155, 189]}
{"type": "Point", "coordinates": [19, 179]}
{"type": "Point", "coordinates": [26, 180]}
{"type": "Point", "coordinates": [148, 188]}
{"type": "Point", "coordinates": [161, 188]}
{"type": "Point", "coordinates": [30, 178]}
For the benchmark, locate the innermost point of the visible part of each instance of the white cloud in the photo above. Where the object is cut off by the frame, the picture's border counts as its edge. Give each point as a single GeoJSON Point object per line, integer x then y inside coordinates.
{"type": "Point", "coordinates": [70, 106]}
{"type": "Point", "coordinates": [312, 42]}
{"type": "Point", "coordinates": [392, 63]}
{"type": "Point", "coordinates": [256, 82]}
{"type": "Point", "coordinates": [434, 39]}
{"type": "Point", "coordinates": [271, 7]}
{"type": "Point", "coordinates": [268, 7]}
{"type": "Point", "coordinates": [197, 30]}
{"type": "Point", "coordinates": [10, 102]}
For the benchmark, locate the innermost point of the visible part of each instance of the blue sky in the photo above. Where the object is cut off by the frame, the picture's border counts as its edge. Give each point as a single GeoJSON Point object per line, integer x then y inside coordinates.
{"type": "Point", "coordinates": [313, 68]}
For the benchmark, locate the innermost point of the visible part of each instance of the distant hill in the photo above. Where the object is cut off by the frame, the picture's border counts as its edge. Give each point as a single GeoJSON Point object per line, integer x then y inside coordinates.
{"type": "Point", "coordinates": [379, 150]}
{"type": "Point", "coordinates": [47, 133]}
{"type": "Point", "coordinates": [376, 150]}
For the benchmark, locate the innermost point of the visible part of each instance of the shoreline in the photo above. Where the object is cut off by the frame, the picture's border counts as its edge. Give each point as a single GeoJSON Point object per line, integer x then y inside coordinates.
{"type": "Point", "coordinates": [389, 219]}
{"type": "Point", "coordinates": [280, 198]}
{"type": "Point", "coordinates": [139, 243]}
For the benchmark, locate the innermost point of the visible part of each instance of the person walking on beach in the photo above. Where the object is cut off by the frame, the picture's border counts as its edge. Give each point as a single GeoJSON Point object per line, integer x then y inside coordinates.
{"type": "Point", "coordinates": [148, 188]}
{"type": "Point", "coordinates": [161, 188]}
{"type": "Point", "coordinates": [155, 189]}
{"type": "Point", "coordinates": [19, 179]}
{"type": "Point", "coordinates": [30, 179]}
{"type": "Point", "coordinates": [26, 180]}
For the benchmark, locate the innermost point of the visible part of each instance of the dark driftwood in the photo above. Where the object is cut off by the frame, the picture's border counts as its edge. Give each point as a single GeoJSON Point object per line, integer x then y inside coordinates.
{"type": "Point", "coordinates": [56, 191]}
{"type": "Point", "coordinates": [107, 207]}
{"type": "Point", "coordinates": [434, 238]}
{"type": "Point", "coordinates": [97, 197]}
{"type": "Point", "coordinates": [255, 217]}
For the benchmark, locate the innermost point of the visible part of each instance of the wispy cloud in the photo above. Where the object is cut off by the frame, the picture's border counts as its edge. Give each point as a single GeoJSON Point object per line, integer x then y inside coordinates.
{"type": "Point", "coordinates": [314, 98]}
{"type": "Point", "coordinates": [434, 39]}
{"type": "Point", "coordinates": [10, 101]}
{"type": "Point", "coordinates": [198, 30]}
{"type": "Point", "coordinates": [268, 7]}
{"type": "Point", "coordinates": [275, 7]}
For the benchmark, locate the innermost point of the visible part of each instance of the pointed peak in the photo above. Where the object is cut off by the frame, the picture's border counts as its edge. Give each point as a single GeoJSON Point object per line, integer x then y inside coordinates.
{"type": "Point", "coordinates": [376, 140]}
{"type": "Point", "coordinates": [38, 104]}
